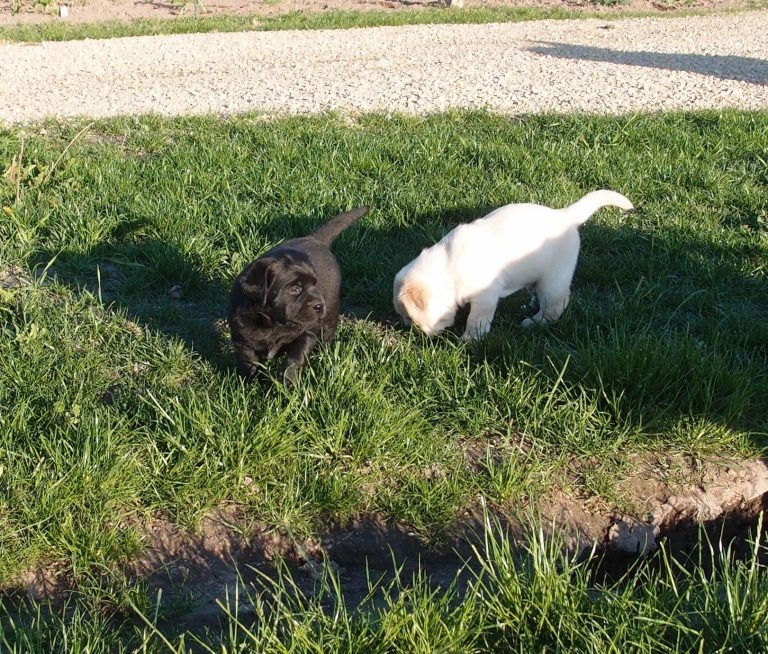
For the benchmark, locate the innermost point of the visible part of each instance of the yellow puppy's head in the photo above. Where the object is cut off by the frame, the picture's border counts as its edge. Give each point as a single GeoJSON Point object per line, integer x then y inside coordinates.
{"type": "Point", "coordinates": [418, 302]}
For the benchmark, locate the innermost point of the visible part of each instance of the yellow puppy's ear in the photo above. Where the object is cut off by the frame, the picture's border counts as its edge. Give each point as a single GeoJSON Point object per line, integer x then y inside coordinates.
{"type": "Point", "coordinates": [415, 293]}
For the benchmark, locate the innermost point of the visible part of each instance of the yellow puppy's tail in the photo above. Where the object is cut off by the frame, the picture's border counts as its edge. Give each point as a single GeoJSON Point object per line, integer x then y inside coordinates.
{"type": "Point", "coordinates": [581, 211]}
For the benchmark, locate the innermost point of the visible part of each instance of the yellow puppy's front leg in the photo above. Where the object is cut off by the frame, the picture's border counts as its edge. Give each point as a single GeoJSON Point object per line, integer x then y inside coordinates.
{"type": "Point", "coordinates": [480, 317]}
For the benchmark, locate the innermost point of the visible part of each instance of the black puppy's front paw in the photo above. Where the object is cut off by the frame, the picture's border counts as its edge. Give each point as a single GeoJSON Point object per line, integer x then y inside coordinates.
{"type": "Point", "coordinates": [296, 355]}
{"type": "Point", "coordinates": [290, 373]}
{"type": "Point", "coordinates": [247, 371]}
{"type": "Point", "coordinates": [248, 362]}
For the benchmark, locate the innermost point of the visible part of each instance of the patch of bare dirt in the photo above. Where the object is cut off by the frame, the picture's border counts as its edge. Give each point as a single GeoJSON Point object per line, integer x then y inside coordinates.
{"type": "Point", "coordinates": [231, 556]}
{"type": "Point", "coordinates": [94, 11]}
{"type": "Point", "coordinates": [13, 277]}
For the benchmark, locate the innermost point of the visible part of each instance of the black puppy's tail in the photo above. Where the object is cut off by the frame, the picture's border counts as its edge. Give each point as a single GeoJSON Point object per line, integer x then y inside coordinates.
{"type": "Point", "coordinates": [327, 233]}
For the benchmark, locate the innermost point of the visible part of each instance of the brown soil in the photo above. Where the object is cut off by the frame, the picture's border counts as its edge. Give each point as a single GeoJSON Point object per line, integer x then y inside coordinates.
{"type": "Point", "coordinates": [230, 555]}
{"type": "Point", "coordinates": [93, 11]}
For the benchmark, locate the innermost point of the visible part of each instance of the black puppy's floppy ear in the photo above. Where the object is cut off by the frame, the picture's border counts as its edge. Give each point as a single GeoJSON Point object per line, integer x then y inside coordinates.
{"type": "Point", "coordinates": [257, 280]}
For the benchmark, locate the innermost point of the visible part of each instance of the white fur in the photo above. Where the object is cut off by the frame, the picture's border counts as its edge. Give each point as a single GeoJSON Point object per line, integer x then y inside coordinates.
{"type": "Point", "coordinates": [516, 246]}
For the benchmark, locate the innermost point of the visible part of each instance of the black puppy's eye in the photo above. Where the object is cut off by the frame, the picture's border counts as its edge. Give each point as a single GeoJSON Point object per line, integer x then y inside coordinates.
{"type": "Point", "coordinates": [295, 289]}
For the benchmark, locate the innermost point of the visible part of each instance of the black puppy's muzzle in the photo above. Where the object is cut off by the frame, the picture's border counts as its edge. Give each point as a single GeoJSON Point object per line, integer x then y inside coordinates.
{"type": "Point", "coordinates": [312, 308]}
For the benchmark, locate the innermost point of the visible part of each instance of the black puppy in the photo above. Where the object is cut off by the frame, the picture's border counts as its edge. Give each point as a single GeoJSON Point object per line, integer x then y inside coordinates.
{"type": "Point", "coordinates": [288, 299]}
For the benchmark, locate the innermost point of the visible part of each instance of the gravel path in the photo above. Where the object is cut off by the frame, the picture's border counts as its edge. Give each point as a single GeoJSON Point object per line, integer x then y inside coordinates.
{"type": "Point", "coordinates": [576, 65]}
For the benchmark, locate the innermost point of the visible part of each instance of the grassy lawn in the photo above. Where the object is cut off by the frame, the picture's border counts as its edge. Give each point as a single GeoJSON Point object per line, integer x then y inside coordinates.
{"type": "Point", "coordinates": [329, 19]}
{"type": "Point", "coordinates": [118, 244]}
{"type": "Point", "coordinates": [332, 19]}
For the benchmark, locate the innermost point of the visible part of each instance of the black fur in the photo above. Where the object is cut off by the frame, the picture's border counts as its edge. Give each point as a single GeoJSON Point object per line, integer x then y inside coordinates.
{"type": "Point", "coordinates": [287, 300]}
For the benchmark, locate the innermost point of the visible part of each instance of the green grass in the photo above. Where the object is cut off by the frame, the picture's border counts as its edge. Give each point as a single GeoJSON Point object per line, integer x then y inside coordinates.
{"type": "Point", "coordinates": [509, 597]}
{"type": "Point", "coordinates": [331, 19]}
{"type": "Point", "coordinates": [119, 395]}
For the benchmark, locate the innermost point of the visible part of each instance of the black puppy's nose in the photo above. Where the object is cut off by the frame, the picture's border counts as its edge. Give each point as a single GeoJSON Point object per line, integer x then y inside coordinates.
{"type": "Point", "coordinates": [318, 308]}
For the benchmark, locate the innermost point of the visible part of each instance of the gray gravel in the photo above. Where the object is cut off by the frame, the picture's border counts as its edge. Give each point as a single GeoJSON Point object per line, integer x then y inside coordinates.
{"type": "Point", "coordinates": [576, 65]}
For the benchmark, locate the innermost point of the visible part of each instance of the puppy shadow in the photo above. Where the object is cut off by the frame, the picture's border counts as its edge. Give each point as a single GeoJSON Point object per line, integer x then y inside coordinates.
{"type": "Point", "coordinates": [668, 319]}
{"type": "Point", "coordinates": [371, 256]}
{"type": "Point", "coordinates": [162, 287]}
{"type": "Point", "coordinates": [157, 286]}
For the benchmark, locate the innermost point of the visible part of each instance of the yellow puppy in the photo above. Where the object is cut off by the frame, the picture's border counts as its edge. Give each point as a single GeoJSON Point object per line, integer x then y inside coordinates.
{"type": "Point", "coordinates": [516, 246]}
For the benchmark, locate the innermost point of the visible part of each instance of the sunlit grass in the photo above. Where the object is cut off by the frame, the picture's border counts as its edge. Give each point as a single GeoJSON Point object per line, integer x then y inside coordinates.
{"type": "Point", "coordinates": [328, 19]}
{"type": "Point", "coordinates": [116, 380]}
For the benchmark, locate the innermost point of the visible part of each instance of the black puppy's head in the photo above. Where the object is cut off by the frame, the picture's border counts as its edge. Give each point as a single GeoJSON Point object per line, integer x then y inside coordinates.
{"type": "Point", "coordinates": [282, 289]}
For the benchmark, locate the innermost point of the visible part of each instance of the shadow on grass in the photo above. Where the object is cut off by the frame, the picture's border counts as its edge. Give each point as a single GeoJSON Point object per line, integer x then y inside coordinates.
{"type": "Point", "coordinates": [660, 329]}
{"type": "Point", "coordinates": [674, 326]}
{"type": "Point", "coordinates": [160, 286]}
{"type": "Point", "coordinates": [740, 69]}
{"type": "Point", "coordinates": [156, 285]}
{"type": "Point", "coordinates": [366, 573]}
{"type": "Point", "coordinates": [666, 326]}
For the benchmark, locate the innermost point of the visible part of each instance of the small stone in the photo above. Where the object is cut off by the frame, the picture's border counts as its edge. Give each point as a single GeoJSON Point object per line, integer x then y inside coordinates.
{"type": "Point", "coordinates": [633, 536]}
